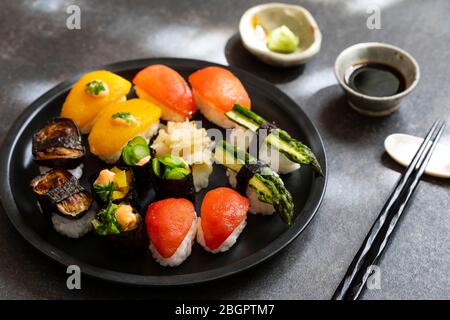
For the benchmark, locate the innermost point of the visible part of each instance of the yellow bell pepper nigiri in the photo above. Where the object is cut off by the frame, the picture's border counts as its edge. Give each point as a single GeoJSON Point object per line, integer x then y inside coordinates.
{"type": "Point", "coordinates": [90, 94]}
{"type": "Point", "coordinates": [120, 122]}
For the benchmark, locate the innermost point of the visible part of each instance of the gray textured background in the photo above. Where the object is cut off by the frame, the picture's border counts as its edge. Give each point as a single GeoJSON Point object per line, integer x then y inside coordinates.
{"type": "Point", "coordinates": [37, 52]}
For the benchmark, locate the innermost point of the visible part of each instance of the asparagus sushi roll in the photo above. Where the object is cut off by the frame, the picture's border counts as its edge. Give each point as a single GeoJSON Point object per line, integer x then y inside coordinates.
{"type": "Point", "coordinates": [171, 227]}
{"type": "Point", "coordinates": [282, 152]}
{"type": "Point", "coordinates": [136, 155]}
{"type": "Point", "coordinates": [223, 215]}
{"type": "Point", "coordinates": [120, 122]}
{"type": "Point", "coordinates": [114, 185]}
{"type": "Point", "coordinates": [172, 178]}
{"type": "Point", "coordinates": [68, 204]}
{"type": "Point", "coordinates": [58, 145]}
{"type": "Point", "coordinates": [257, 181]}
{"type": "Point", "coordinates": [122, 225]}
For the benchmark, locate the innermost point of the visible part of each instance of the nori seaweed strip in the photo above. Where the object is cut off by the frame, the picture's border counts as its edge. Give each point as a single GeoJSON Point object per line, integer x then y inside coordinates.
{"type": "Point", "coordinates": [64, 191]}
{"type": "Point", "coordinates": [244, 175]}
{"type": "Point", "coordinates": [172, 188]}
{"type": "Point", "coordinates": [130, 243]}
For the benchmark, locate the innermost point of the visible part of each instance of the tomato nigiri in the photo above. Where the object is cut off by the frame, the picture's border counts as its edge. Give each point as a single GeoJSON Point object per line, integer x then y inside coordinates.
{"type": "Point", "coordinates": [167, 89]}
{"type": "Point", "coordinates": [171, 227]}
{"type": "Point", "coordinates": [223, 217]}
{"type": "Point", "coordinates": [216, 90]}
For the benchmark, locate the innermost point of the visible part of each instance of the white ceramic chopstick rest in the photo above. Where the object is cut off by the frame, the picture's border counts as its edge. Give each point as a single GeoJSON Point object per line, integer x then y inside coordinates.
{"type": "Point", "coordinates": [402, 147]}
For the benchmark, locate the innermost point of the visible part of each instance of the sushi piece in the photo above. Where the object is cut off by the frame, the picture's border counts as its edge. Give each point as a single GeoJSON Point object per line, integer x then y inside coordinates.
{"type": "Point", "coordinates": [120, 122]}
{"type": "Point", "coordinates": [216, 90]}
{"type": "Point", "coordinates": [136, 155]}
{"type": "Point", "coordinates": [122, 225]}
{"type": "Point", "coordinates": [114, 185]}
{"type": "Point", "coordinates": [283, 153]}
{"type": "Point", "coordinates": [90, 94]}
{"type": "Point", "coordinates": [223, 217]}
{"type": "Point", "coordinates": [58, 145]}
{"type": "Point", "coordinates": [167, 89]}
{"type": "Point", "coordinates": [171, 227]}
{"type": "Point", "coordinates": [65, 201]}
{"type": "Point", "coordinates": [172, 178]}
{"type": "Point", "coordinates": [257, 181]}
{"type": "Point", "coordinates": [185, 140]}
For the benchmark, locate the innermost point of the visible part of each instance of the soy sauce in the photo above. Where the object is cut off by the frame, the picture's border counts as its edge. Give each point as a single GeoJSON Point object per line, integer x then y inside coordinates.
{"type": "Point", "coordinates": [375, 79]}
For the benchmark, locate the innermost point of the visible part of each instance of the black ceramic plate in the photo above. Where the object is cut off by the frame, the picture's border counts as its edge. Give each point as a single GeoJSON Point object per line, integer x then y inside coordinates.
{"type": "Point", "coordinates": [262, 238]}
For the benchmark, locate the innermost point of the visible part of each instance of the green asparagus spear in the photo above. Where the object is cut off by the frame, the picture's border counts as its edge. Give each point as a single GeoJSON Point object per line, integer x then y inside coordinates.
{"type": "Point", "coordinates": [268, 185]}
{"type": "Point", "coordinates": [278, 138]}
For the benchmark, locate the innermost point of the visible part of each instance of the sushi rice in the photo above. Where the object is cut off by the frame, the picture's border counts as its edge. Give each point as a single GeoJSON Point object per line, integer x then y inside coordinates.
{"type": "Point", "coordinates": [73, 228]}
{"type": "Point", "coordinates": [227, 244]}
{"type": "Point", "coordinates": [256, 205]}
{"type": "Point", "coordinates": [211, 113]}
{"type": "Point", "coordinates": [277, 160]}
{"type": "Point", "coordinates": [182, 252]}
{"type": "Point", "coordinates": [152, 130]}
{"type": "Point", "coordinates": [76, 172]}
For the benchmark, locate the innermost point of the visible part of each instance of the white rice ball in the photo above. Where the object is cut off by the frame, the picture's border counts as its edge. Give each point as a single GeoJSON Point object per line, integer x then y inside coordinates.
{"type": "Point", "coordinates": [277, 160]}
{"type": "Point", "coordinates": [227, 244]}
{"type": "Point", "coordinates": [210, 112]}
{"type": "Point", "coordinates": [183, 251]}
{"type": "Point", "coordinates": [256, 205]}
{"type": "Point", "coordinates": [73, 228]}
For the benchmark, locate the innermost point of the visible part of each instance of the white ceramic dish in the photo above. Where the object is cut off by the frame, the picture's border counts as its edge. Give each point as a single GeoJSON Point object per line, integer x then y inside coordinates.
{"type": "Point", "coordinates": [403, 147]}
{"type": "Point", "coordinates": [272, 15]}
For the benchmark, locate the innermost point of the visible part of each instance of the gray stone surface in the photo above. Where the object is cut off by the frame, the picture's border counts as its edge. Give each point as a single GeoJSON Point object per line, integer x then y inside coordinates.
{"type": "Point", "coordinates": [37, 52]}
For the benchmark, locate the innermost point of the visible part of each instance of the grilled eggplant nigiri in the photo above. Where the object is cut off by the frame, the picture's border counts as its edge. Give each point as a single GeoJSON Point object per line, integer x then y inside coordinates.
{"type": "Point", "coordinates": [61, 196]}
{"type": "Point", "coordinates": [58, 145]}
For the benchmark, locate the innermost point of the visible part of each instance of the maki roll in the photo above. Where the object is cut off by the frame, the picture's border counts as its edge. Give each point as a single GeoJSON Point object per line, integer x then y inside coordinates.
{"type": "Point", "coordinates": [216, 90]}
{"type": "Point", "coordinates": [166, 88]}
{"type": "Point", "coordinates": [114, 185]}
{"type": "Point", "coordinates": [282, 152]}
{"type": "Point", "coordinates": [90, 94]}
{"type": "Point", "coordinates": [68, 204]}
{"type": "Point", "coordinates": [136, 155]}
{"type": "Point", "coordinates": [120, 122]}
{"type": "Point", "coordinates": [171, 227]}
{"type": "Point", "coordinates": [58, 145]}
{"type": "Point", "coordinates": [122, 225]}
{"type": "Point", "coordinates": [223, 215]}
{"type": "Point", "coordinates": [172, 178]}
{"type": "Point", "coordinates": [257, 181]}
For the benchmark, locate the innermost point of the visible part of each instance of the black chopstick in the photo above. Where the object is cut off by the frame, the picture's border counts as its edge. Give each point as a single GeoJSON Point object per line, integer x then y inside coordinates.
{"type": "Point", "coordinates": [379, 235]}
